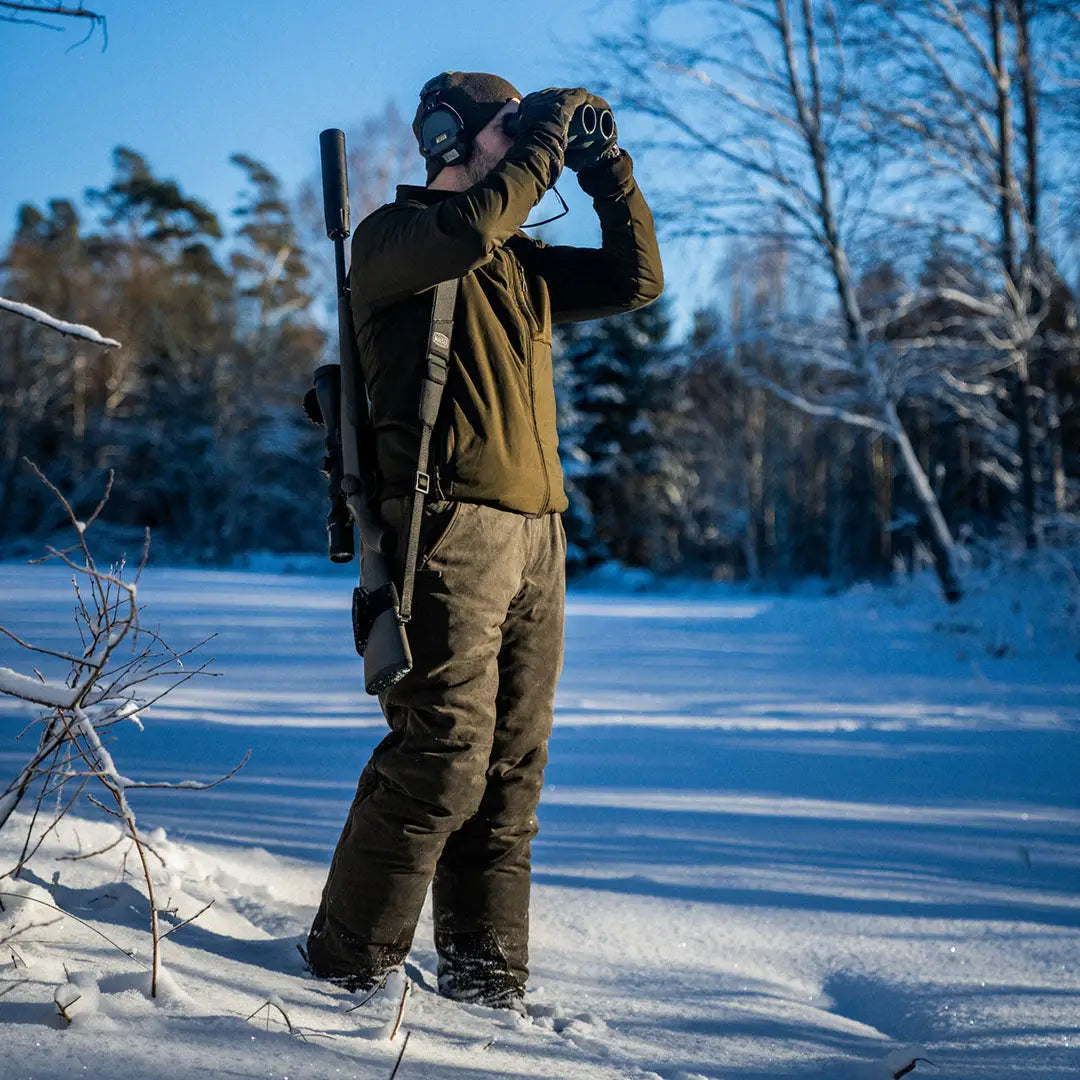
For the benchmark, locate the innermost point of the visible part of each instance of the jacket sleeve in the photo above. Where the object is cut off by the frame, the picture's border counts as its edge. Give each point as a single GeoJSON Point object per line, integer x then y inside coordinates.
{"type": "Point", "coordinates": [622, 274]}
{"type": "Point", "coordinates": [404, 248]}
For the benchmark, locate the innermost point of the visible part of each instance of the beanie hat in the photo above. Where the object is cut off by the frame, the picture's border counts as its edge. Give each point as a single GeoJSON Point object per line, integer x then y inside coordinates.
{"type": "Point", "coordinates": [475, 96]}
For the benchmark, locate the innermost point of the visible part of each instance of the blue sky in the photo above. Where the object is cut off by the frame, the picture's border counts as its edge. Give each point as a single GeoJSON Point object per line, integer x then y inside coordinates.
{"type": "Point", "coordinates": [188, 84]}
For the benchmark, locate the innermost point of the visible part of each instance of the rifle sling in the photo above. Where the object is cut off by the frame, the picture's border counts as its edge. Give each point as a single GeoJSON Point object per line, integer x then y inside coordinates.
{"type": "Point", "coordinates": [438, 360]}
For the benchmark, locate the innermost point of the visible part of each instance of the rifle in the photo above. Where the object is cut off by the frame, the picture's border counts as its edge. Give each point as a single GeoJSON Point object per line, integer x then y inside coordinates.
{"type": "Point", "coordinates": [339, 402]}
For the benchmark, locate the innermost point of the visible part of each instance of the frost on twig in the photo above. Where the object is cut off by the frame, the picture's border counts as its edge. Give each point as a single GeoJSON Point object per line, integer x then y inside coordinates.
{"type": "Point", "coordinates": [69, 329]}
{"type": "Point", "coordinates": [118, 670]}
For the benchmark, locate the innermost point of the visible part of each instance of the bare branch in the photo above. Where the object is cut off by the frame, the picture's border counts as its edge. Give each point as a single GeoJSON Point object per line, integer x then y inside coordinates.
{"type": "Point", "coordinates": [55, 10]}
{"type": "Point", "coordinates": [401, 1054]}
{"type": "Point", "coordinates": [98, 693]}
{"type": "Point", "coordinates": [189, 785]}
{"type": "Point", "coordinates": [204, 908]}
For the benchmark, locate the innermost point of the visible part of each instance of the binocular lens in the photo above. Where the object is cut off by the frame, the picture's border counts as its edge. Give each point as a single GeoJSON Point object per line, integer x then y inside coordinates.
{"type": "Point", "coordinates": [582, 124]}
{"type": "Point", "coordinates": [586, 123]}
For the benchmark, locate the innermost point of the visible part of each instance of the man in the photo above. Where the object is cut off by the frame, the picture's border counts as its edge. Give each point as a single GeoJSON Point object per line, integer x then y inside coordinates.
{"type": "Point", "coordinates": [448, 798]}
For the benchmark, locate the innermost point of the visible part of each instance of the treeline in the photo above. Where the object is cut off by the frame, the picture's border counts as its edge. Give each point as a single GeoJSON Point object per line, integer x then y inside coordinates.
{"type": "Point", "coordinates": [688, 455]}
{"type": "Point", "coordinates": [683, 454]}
{"type": "Point", "coordinates": [197, 413]}
{"type": "Point", "coordinates": [903, 176]}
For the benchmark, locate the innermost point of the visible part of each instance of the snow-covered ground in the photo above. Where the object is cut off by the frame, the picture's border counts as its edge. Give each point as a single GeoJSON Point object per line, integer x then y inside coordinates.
{"type": "Point", "coordinates": [782, 836]}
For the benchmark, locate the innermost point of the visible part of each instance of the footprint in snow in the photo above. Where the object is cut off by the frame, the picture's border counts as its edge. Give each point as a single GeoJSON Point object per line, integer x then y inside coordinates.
{"type": "Point", "coordinates": [583, 1030]}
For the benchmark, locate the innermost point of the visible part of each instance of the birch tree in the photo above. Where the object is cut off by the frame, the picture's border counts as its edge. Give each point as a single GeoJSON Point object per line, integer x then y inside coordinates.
{"type": "Point", "coordinates": [958, 100]}
{"type": "Point", "coordinates": [759, 102]}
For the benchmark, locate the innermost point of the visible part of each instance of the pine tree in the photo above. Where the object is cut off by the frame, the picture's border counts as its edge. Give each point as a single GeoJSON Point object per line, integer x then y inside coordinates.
{"type": "Point", "coordinates": [270, 445]}
{"type": "Point", "coordinates": [177, 322]}
{"type": "Point", "coordinates": [624, 472]}
{"type": "Point", "coordinates": [572, 345]}
{"type": "Point", "coordinates": [46, 381]}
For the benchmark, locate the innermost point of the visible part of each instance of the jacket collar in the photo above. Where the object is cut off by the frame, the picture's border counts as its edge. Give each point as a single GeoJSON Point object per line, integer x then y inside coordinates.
{"type": "Point", "coordinates": [412, 193]}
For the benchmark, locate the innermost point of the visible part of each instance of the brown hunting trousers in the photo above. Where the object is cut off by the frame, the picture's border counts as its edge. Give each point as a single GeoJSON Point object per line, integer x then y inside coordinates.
{"type": "Point", "coordinates": [449, 796]}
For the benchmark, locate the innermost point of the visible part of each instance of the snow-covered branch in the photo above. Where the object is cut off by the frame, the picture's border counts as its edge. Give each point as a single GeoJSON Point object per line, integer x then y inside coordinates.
{"type": "Point", "coordinates": [70, 329]}
{"type": "Point", "coordinates": [824, 409]}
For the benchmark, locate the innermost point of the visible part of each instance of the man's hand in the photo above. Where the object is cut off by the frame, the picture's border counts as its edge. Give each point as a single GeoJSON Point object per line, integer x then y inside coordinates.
{"type": "Point", "coordinates": [584, 157]}
{"type": "Point", "coordinates": [554, 107]}
{"type": "Point", "coordinates": [545, 115]}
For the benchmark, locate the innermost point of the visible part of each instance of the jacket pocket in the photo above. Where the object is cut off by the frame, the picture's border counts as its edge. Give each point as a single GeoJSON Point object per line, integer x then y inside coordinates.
{"type": "Point", "coordinates": [438, 523]}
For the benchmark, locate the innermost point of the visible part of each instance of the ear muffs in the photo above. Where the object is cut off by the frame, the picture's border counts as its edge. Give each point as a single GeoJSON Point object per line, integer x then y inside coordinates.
{"type": "Point", "coordinates": [442, 132]}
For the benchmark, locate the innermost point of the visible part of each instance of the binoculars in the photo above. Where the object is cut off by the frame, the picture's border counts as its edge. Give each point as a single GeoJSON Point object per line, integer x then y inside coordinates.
{"type": "Point", "coordinates": [588, 126]}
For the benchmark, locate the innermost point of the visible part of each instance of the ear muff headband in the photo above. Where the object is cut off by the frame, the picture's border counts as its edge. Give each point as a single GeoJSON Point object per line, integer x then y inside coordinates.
{"type": "Point", "coordinates": [442, 132]}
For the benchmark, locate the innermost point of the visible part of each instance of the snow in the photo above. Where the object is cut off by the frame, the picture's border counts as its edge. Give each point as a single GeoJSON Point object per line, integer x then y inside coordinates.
{"type": "Point", "coordinates": [37, 690]}
{"type": "Point", "coordinates": [78, 330]}
{"type": "Point", "coordinates": [783, 836]}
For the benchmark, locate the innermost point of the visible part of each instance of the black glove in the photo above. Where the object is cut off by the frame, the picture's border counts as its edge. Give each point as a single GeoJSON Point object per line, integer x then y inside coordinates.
{"type": "Point", "coordinates": [544, 117]}
{"type": "Point", "coordinates": [553, 108]}
{"type": "Point", "coordinates": [592, 150]}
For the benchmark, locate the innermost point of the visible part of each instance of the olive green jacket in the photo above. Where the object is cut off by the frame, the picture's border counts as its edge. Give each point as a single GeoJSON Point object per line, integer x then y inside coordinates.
{"type": "Point", "coordinates": [495, 441]}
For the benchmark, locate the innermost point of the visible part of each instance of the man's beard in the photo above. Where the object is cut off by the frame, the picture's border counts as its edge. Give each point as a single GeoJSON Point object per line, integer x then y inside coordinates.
{"type": "Point", "coordinates": [479, 165]}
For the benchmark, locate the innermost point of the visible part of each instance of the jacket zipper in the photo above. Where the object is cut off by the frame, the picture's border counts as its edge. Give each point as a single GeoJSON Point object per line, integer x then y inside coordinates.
{"type": "Point", "coordinates": [519, 272]}
{"type": "Point", "coordinates": [520, 276]}
{"type": "Point", "coordinates": [536, 432]}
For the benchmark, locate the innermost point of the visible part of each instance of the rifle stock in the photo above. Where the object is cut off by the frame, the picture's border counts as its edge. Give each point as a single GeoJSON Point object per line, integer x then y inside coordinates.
{"type": "Point", "coordinates": [378, 633]}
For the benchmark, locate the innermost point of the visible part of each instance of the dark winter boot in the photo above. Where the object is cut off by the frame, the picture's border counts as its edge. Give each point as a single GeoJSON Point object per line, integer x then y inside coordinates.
{"type": "Point", "coordinates": [472, 968]}
{"type": "Point", "coordinates": [366, 969]}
